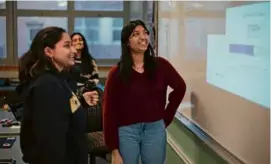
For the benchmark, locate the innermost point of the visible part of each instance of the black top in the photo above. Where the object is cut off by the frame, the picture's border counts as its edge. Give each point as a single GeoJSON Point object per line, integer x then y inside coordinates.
{"type": "Point", "coordinates": [53, 124]}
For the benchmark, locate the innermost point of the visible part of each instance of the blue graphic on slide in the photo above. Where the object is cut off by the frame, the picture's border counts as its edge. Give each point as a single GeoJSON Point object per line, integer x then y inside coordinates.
{"type": "Point", "coordinates": [239, 61]}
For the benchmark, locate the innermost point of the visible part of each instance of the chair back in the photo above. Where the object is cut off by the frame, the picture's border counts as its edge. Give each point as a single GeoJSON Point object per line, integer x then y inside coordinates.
{"type": "Point", "coordinates": [94, 115]}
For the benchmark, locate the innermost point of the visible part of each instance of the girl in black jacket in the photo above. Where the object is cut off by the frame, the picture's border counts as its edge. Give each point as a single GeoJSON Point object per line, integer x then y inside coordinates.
{"type": "Point", "coordinates": [54, 123]}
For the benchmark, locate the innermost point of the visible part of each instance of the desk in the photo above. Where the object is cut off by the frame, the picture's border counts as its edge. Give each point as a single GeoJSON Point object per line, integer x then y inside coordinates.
{"type": "Point", "coordinates": [15, 151]}
{"type": "Point", "coordinates": [6, 131]}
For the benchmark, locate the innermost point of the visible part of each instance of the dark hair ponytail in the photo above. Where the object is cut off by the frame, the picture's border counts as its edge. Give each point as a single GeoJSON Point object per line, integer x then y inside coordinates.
{"type": "Point", "coordinates": [34, 61]}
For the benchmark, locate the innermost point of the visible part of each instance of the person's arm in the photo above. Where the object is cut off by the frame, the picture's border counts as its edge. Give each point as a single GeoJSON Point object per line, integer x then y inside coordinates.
{"type": "Point", "coordinates": [109, 117]}
{"type": "Point", "coordinates": [50, 121]}
{"type": "Point", "coordinates": [176, 82]}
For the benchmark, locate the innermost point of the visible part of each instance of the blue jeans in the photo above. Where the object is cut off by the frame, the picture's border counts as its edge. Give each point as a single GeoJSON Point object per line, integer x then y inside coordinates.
{"type": "Point", "coordinates": [145, 140]}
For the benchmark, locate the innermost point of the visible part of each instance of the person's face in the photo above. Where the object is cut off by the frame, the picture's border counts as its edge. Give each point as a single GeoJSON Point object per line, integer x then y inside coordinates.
{"type": "Point", "coordinates": [77, 42]}
{"type": "Point", "coordinates": [63, 54]}
{"type": "Point", "coordinates": [139, 39]}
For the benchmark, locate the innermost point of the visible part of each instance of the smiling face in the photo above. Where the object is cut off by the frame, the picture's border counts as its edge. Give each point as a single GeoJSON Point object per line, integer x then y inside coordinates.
{"type": "Point", "coordinates": [63, 53]}
{"type": "Point", "coordinates": [139, 40]}
{"type": "Point", "coordinates": [77, 42]}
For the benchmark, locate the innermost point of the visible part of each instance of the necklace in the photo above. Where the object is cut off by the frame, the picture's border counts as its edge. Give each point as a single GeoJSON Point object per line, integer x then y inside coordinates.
{"type": "Point", "coordinates": [138, 68]}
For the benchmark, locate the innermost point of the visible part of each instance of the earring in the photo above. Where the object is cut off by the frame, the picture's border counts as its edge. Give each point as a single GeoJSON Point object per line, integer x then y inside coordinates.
{"type": "Point", "coordinates": [51, 58]}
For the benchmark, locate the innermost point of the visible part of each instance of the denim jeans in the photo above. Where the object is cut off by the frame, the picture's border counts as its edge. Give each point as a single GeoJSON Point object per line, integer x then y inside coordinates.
{"type": "Point", "coordinates": [143, 140]}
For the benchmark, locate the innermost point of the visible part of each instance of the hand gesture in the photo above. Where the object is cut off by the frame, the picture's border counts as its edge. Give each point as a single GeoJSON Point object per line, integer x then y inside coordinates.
{"type": "Point", "coordinates": [91, 97]}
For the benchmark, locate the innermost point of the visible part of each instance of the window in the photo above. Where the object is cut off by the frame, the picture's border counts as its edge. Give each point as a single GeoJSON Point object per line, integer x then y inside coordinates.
{"type": "Point", "coordinates": [117, 22]}
{"type": "Point", "coordinates": [3, 39]}
{"type": "Point", "coordinates": [99, 5]}
{"type": "Point", "coordinates": [116, 35]}
{"type": "Point", "coordinates": [29, 26]}
{"type": "Point", "coordinates": [33, 33]}
{"type": "Point", "coordinates": [92, 22]}
{"type": "Point", "coordinates": [2, 4]}
{"type": "Point", "coordinates": [92, 35]}
{"type": "Point", "coordinates": [89, 27]}
{"type": "Point", "coordinates": [99, 36]}
{"type": "Point", "coordinates": [100, 22]}
{"type": "Point", "coordinates": [42, 5]}
{"type": "Point", "coordinates": [117, 27]}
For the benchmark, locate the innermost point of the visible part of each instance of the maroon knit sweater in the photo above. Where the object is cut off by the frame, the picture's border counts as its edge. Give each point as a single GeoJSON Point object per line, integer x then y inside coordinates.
{"type": "Point", "coordinates": [141, 100]}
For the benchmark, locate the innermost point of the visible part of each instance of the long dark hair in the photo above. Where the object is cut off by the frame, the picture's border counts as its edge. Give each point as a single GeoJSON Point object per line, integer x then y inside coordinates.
{"type": "Point", "coordinates": [34, 62]}
{"type": "Point", "coordinates": [86, 57]}
{"type": "Point", "coordinates": [126, 61]}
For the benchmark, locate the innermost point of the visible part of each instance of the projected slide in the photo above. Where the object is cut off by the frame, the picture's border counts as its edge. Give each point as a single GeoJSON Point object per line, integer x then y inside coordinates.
{"type": "Point", "coordinates": [239, 61]}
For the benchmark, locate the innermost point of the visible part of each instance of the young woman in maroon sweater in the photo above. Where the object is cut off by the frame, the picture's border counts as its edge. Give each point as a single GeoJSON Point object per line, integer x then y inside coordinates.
{"type": "Point", "coordinates": [135, 112]}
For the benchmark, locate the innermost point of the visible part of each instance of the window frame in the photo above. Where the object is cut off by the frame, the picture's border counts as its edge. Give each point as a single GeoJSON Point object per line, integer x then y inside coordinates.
{"type": "Point", "coordinates": [12, 13]}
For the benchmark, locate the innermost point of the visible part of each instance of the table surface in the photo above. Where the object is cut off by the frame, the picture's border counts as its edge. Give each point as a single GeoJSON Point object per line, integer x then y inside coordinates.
{"type": "Point", "coordinates": [7, 131]}
{"type": "Point", "coordinates": [15, 151]}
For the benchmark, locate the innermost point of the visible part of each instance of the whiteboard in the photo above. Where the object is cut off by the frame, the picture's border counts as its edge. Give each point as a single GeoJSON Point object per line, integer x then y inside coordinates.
{"type": "Point", "coordinates": [226, 68]}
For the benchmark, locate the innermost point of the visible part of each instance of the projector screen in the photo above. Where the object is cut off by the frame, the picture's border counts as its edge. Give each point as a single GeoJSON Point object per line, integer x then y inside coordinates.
{"type": "Point", "coordinates": [238, 61]}
{"type": "Point", "coordinates": [222, 50]}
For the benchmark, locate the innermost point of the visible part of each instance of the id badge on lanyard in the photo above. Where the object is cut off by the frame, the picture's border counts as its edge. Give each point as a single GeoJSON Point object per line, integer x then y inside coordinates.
{"type": "Point", "coordinates": [74, 101]}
